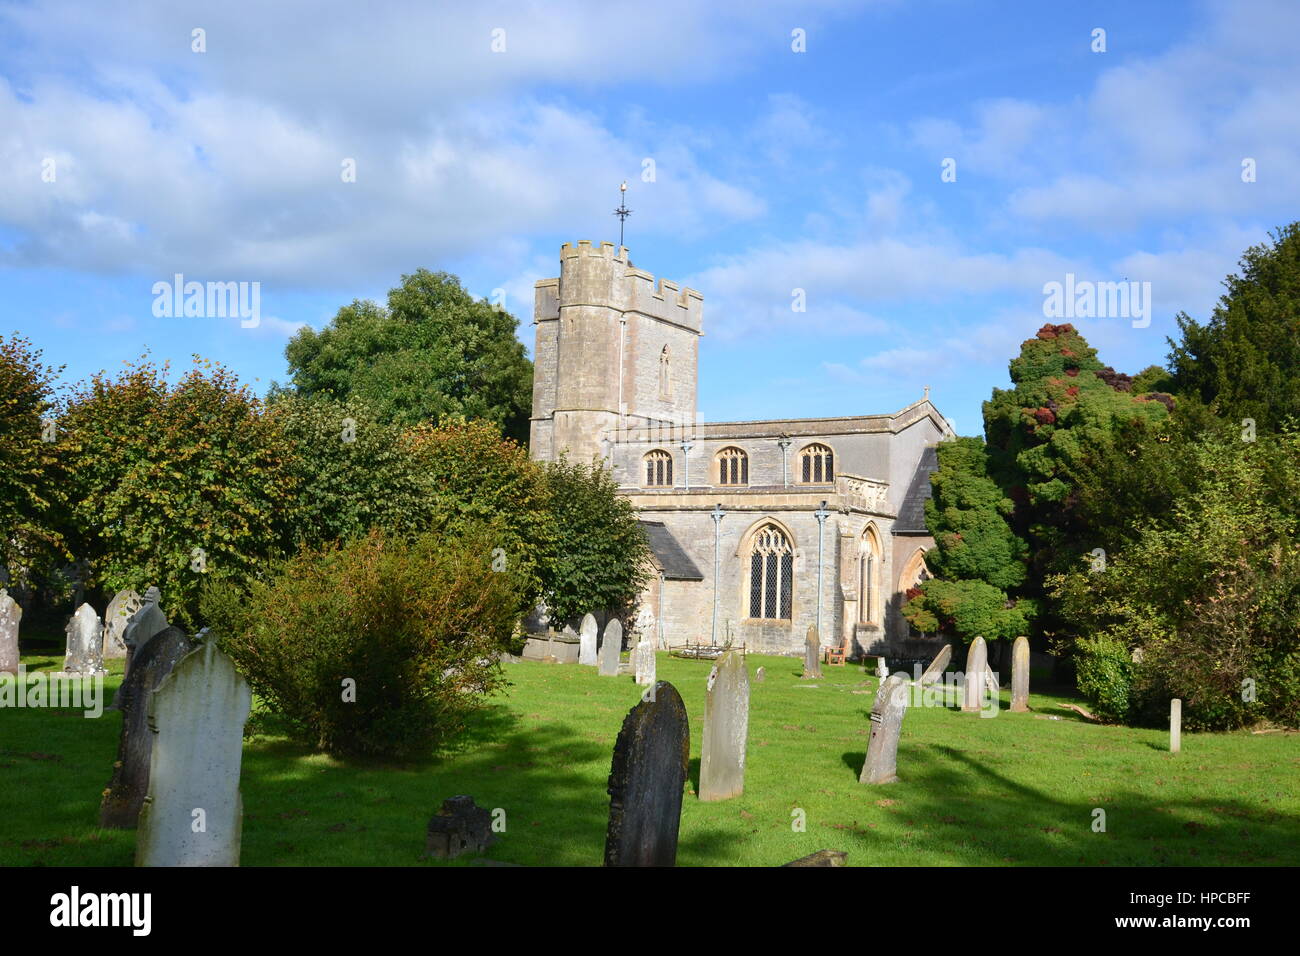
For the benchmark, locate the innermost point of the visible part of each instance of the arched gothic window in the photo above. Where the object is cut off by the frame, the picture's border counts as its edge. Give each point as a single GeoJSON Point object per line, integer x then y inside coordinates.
{"type": "Point", "coordinates": [817, 465]}
{"type": "Point", "coordinates": [665, 374]}
{"type": "Point", "coordinates": [659, 469]}
{"type": "Point", "coordinates": [733, 467]}
{"type": "Point", "coordinates": [771, 574]}
{"type": "Point", "coordinates": [869, 569]}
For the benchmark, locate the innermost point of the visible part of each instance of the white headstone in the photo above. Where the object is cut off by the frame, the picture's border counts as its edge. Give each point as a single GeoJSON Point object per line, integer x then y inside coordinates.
{"type": "Point", "coordinates": [116, 618]}
{"type": "Point", "coordinates": [726, 729]}
{"type": "Point", "coordinates": [974, 681]}
{"type": "Point", "coordinates": [645, 662]}
{"type": "Point", "coordinates": [587, 633]}
{"type": "Point", "coordinates": [85, 653]}
{"type": "Point", "coordinates": [193, 814]}
{"type": "Point", "coordinates": [10, 614]}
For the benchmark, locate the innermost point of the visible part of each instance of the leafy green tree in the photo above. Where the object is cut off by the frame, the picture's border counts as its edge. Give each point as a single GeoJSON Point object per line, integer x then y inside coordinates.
{"type": "Point", "coordinates": [172, 485]}
{"type": "Point", "coordinates": [432, 354]}
{"type": "Point", "coordinates": [601, 556]}
{"type": "Point", "coordinates": [29, 540]}
{"type": "Point", "coordinates": [1245, 361]}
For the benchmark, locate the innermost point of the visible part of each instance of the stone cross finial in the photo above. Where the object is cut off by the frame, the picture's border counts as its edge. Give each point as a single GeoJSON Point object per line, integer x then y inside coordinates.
{"type": "Point", "coordinates": [927, 393]}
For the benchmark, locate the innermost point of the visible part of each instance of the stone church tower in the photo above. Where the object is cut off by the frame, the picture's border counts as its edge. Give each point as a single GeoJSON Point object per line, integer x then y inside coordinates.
{"type": "Point", "coordinates": [615, 349]}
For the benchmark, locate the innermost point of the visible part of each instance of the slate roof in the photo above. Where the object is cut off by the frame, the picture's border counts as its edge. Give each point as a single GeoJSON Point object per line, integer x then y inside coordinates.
{"type": "Point", "coordinates": [675, 563]}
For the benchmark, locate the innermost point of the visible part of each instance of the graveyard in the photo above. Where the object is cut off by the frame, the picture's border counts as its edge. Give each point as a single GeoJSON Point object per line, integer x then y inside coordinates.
{"type": "Point", "coordinates": [1018, 789]}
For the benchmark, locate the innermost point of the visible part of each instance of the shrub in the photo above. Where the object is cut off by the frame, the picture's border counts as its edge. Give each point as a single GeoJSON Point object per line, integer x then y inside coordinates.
{"type": "Point", "coordinates": [1104, 669]}
{"type": "Point", "coordinates": [417, 625]}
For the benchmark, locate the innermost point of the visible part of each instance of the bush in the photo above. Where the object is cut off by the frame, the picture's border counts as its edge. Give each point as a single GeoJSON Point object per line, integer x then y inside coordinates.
{"type": "Point", "coordinates": [1104, 669]}
{"type": "Point", "coordinates": [416, 625]}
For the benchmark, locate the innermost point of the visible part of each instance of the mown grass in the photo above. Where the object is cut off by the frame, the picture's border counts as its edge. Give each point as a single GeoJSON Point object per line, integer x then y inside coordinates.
{"type": "Point", "coordinates": [1013, 790]}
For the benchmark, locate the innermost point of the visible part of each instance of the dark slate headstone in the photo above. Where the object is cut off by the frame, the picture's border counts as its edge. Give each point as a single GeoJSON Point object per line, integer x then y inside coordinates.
{"type": "Point", "coordinates": [126, 791]}
{"type": "Point", "coordinates": [461, 826]}
{"type": "Point", "coordinates": [812, 655]}
{"type": "Point", "coordinates": [646, 779]}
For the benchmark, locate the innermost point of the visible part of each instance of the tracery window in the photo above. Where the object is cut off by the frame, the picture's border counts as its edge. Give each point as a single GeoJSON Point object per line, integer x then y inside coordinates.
{"type": "Point", "coordinates": [733, 467]}
{"type": "Point", "coordinates": [817, 465]}
{"type": "Point", "coordinates": [771, 574]}
{"type": "Point", "coordinates": [868, 577]}
{"type": "Point", "coordinates": [659, 469]}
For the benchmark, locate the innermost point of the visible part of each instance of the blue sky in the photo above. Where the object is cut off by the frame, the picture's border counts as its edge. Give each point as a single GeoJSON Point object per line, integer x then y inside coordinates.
{"type": "Point", "coordinates": [774, 170]}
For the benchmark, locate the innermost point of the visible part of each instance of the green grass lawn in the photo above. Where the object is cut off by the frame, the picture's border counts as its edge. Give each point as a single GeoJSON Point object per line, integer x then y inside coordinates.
{"type": "Point", "coordinates": [1012, 790]}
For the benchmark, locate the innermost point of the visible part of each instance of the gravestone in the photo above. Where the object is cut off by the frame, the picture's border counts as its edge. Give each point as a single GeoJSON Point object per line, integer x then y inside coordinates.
{"type": "Point", "coordinates": [726, 728]}
{"type": "Point", "coordinates": [10, 614]}
{"type": "Point", "coordinates": [882, 669]}
{"type": "Point", "coordinates": [760, 675]}
{"type": "Point", "coordinates": [991, 682]}
{"type": "Point", "coordinates": [461, 826]}
{"type": "Point", "coordinates": [611, 648]}
{"type": "Point", "coordinates": [937, 666]}
{"type": "Point", "coordinates": [587, 633]}
{"type": "Point", "coordinates": [812, 655]}
{"type": "Point", "coordinates": [85, 655]}
{"type": "Point", "coordinates": [142, 626]}
{"type": "Point", "coordinates": [1175, 725]}
{"type": "Point", "coordinates": [821, 858]}
{"type": "Point", "coordinates": [116, 618]}
{"type": "Point", "coordinates": [646, 778]}
{"type": "Point", "coordinates": [976, 676]}
{"type": "Point", "coordinates": [645, 626]}
{"type": "Point", "coordinates": [120, 809]}
{"type": "Point", "coordinates": [645, 663]}
{"type": "Point", "coordinates": [1020, 675]}
{"type": "Point", "coordinates": [193, 814]}
{"type": "Point", "coordinates": [887, 714]}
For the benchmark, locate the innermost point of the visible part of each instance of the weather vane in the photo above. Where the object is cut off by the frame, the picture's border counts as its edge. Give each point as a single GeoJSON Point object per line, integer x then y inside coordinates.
{"type": "Point", "coordinates": [622, 211]}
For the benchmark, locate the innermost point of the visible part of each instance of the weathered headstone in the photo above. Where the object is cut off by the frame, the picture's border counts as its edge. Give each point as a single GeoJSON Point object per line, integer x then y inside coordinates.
{"type": "Point", "coordinates": [646, 778]}
{"type": "Point", "coordinates": [975, 678]}
{"type": "Point", "coordinates": [760, 675]}
{"type": "Point", "coordinates": [141, 626]}
{"type": "Point", "coordinates": [645, 662]}
{"type": "Point", "coordinates": [10, 614]}
{"type": "Point", "coordinates": [821, 858]}
{"type": "Point", "coordinates": [645, 626]}
{"type": "Point", "coordinates": [611, 648]}
{"type": "Point", "coordinates": [882, 669]}
{"type": "Point", "coordinates": [726, 729]}
{"type": "Point", "coordinates": [937, 666]}
{"type": "Point", "coordinates": [887, 714]}
{"type": "Point", "coordinates": [116, 618]}
{"type": "Point", "coordinates": [812, 655]}
{"type": "Point", "coordinates": [461, 826]}
{"type": "Point", "coordinates": [124, 797]}
{"type": "Point", "coordinates": [85, 654]}
{"type": "Point", "coordinates": [1020, 675]}
{"type": "Point", "coordinates": [587, 634]}
{"type": "Point", "coordinates": [193, 814]}
{"type": "Point", "coordinates": [1175, 725]}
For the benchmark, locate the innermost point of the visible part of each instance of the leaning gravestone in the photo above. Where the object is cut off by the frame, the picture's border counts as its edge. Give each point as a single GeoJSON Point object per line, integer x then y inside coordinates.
{"type": "Point", "coordinates": [812, 655]}
{"type": "Point", "coordinates": [193, 814]}
{"type": "Point", "coordinates": [85, 655]}
{"type": "Point", "coordinates": [975, 678]}
{"type": "Point", "coordinates": [611, 648]}
{"type": "Point", "coordinates": [760, 675]}
{"type": "Point", "coordinates": [645, 663]}
{"type": "Point", "coordinates": [726, 728]}
{"type": "Point", "coordinates": [887, 715]}
{"type": "Point", "coordinates": [116, 618]}
{"type": "Point", "coordinates": [140, 628]}
{"type": "Point", "coordinates": [10, 614]}
{"type": "Point", "coordinates": [587, 633]}
{"type": "Point", "coordinates": [1020, 675]}
{"type": "Point", "coordinates": [124, 797]}
{"type": "Point", "coordinates": [937, 666]}
{"type": "Point", "coordinates": [646, 779]}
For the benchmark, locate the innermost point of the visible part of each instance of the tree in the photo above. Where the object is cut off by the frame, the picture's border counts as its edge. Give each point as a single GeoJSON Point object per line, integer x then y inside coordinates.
{"type": "Point", "coordinates": [434, 353]}
{"type": "Point", "coordinates": [1245, 361]}
{"type": "Point", "coordinates": [29, 541]}
{"type": "Point", "coordinates": [173, 485]}
{"type": "Point", "coordinates": [601, 554]}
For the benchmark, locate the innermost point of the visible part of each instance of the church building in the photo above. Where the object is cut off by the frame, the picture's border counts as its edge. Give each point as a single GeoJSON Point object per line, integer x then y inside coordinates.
{"type": "Point", "coordinates": [759, 529]}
